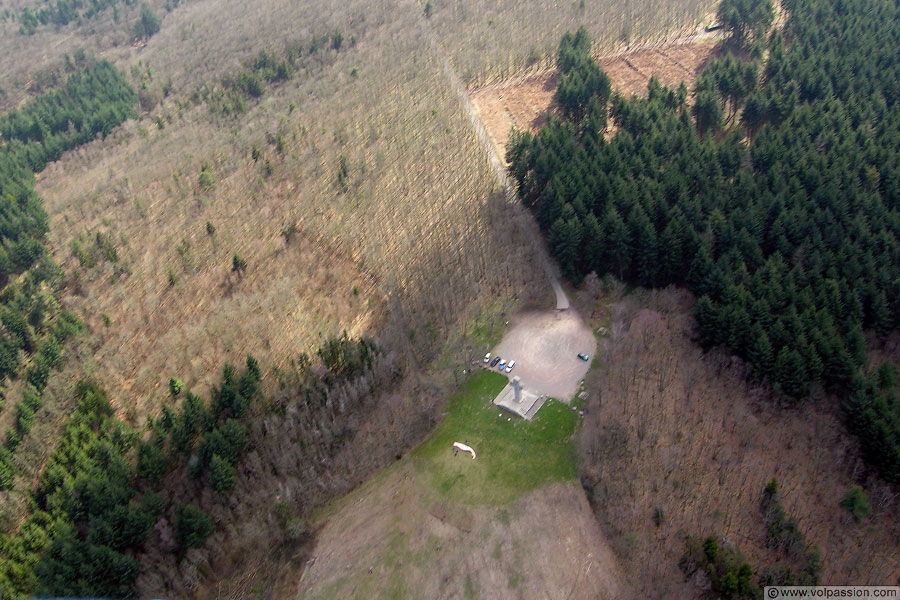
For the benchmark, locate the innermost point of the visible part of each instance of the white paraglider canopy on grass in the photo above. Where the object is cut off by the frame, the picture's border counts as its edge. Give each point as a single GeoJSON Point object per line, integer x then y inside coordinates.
{"type": "Point", "coordinates": [464, 448]}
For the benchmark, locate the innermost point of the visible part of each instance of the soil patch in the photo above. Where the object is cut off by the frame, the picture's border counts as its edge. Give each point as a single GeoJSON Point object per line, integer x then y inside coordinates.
{"type": "Point", "coordinates": [523, 103]}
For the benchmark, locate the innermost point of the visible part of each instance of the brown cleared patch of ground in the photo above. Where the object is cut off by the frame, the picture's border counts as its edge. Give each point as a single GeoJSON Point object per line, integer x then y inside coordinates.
{"type": "Point", "coordinates": [520, 103]}
{"type": "Point", "coordinates": [523, 103]}
{"type": "Point", "coordinates": [394, 539]}
{"type": "Point", "coordinates": [630, 72]}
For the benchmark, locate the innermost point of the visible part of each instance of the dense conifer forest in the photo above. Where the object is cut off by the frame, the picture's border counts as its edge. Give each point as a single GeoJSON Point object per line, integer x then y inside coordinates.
{"type": "Point", "coordinates": [94, 100]}
{"type": "Point", "coordinates": [774, 197]}
{"type": "Point", "coordinates": [105, 486]}
{"type": "Point", "coordinates": [99, 494]}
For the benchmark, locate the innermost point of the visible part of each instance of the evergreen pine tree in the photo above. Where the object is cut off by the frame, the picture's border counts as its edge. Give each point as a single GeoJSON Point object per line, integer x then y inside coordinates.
{"type": "Point", "coordinates": [790, 373]}
{"type": "Point", "coordinates": [618, 245]}
{"type": "Point", "coordinates": [707, 323]}
{"type": "Point", "coordinates": [700, 275]}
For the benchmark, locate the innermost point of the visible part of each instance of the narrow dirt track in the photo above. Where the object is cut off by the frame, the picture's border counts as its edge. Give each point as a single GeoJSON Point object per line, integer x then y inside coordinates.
{"type": "Point", "coordinates": [527, 224]}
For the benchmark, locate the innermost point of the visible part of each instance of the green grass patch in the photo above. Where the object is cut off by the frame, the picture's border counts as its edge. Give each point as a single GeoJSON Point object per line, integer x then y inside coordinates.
{"type": "Point", "coordinates": [470, 592]}
{"type": "Point", "coordinates": [470, 339]}
{"type": "Point", "coordinates": [514, 455]}
{"type": "Point", "coordinates": [488, 328]}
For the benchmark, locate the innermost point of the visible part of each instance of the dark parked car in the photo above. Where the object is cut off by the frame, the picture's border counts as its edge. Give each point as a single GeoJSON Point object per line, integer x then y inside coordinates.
{"type": "Point", "coordinates": [495, 361]}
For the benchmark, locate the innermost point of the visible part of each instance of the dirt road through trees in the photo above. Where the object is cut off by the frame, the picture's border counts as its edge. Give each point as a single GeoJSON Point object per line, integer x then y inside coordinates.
{"type": "Point", "coordinates": [527, 225]}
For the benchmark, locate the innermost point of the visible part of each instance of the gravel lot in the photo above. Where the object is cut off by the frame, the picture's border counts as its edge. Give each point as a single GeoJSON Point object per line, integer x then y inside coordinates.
{"type": "Point", "coordinates": [545, 345]}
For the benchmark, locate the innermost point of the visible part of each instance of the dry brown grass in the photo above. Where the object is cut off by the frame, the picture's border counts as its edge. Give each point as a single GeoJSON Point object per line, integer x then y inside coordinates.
{"type": "Point", "coordinates": [393, 539]}
{"type": "Point", "coordinates": [671, 428]}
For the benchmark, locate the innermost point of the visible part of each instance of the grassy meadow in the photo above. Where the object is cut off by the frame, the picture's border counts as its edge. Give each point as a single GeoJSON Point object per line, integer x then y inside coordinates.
{"type": "Point", "coordinates": [513, 455]}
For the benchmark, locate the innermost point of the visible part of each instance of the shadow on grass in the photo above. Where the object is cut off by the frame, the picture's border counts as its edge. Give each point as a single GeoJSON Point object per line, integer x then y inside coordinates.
{"type": "Point", "coordinates": [514, 455]}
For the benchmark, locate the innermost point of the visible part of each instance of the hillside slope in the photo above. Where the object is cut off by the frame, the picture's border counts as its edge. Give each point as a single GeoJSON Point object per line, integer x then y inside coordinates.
{"type": "Point", "coordinates": [676, 443]}
{"type": "Point", "coordinates": [414, 210]}
{"type": "Point", "coordinates": [393, 539]}
{"type": "Point", "coordinates": [510, 524]}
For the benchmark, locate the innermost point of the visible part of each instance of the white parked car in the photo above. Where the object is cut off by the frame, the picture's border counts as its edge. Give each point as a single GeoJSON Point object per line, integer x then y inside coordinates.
{"type": "Point", "coordinates": [509, 367]}
{"type": "Point", "coordinates": [487, 357]}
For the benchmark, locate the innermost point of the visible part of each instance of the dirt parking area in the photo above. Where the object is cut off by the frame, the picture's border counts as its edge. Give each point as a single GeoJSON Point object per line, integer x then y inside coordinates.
{"type": "Point", "coordinates": [523, 103]}
{"type": "Point", "coordinates": [545, 346]}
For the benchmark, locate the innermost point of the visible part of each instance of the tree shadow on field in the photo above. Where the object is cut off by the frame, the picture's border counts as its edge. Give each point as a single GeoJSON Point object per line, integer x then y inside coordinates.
{"type": "Point", "coordinates": [454, 264]}
{"type": "Point", "coordinates": [550, 85]}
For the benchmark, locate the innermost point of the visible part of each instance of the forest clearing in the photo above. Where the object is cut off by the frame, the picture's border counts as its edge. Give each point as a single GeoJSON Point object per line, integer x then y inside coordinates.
{"type": "Point", "coordinates": [523, 102]}
{"type": "Point", "coordinates": [545, 346]}
{"type": "Point", "coordinates": [511, 524]}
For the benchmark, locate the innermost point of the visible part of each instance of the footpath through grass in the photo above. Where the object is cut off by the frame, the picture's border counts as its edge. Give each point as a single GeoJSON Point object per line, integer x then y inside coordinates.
{"type": "Point", "coordinates": [514, 455]}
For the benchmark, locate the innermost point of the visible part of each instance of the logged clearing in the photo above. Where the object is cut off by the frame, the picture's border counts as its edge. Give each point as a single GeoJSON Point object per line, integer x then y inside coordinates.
{"type": "Point", "coordinates": [523, 103]}
{"type": "Point", "coordinates": [489, 41]}
{"type": "Point", "coordinates": [512, 524]}
{"type": "Point", "coordinates": [630, 72]}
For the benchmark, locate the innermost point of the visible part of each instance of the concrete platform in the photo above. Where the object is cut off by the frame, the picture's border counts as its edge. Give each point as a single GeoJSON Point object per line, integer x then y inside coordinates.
{"type": "Point", "coordinates": [527, 404]}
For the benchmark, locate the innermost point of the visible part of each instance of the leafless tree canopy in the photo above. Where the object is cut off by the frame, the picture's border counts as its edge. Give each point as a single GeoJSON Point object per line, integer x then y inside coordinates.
{"type": "Point", "coordinates": [676, 436]}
